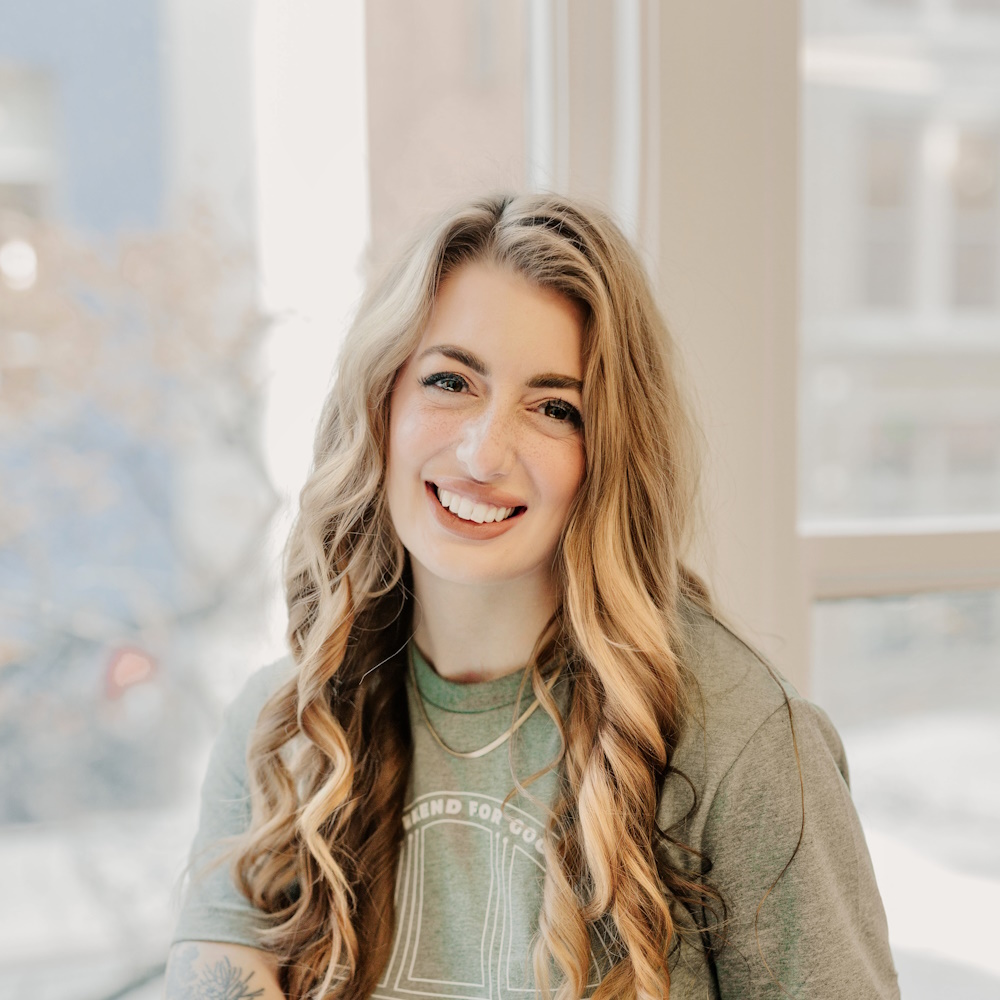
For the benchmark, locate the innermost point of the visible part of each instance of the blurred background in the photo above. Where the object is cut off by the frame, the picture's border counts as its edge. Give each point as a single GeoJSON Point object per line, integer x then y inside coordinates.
{"type": "Point", "coordinates": [191, 195]}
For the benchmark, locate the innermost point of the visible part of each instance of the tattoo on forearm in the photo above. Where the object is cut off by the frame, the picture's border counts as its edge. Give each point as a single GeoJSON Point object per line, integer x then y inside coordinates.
{"type": "Point", "coordinates": [219, 980]}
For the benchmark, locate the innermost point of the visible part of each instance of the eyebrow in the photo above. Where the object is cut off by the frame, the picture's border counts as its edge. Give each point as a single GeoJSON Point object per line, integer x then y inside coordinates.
{"type": "Point", "coordinates": [547, 380]}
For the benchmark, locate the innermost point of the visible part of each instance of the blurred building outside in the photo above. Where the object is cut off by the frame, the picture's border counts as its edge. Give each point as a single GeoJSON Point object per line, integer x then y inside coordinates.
{"type": "Point", "coordinates": [133, 489]}
{"type": "Point", "coordinates": [900, 436]}
{"type": "Point", "coordinates": [901, 281]}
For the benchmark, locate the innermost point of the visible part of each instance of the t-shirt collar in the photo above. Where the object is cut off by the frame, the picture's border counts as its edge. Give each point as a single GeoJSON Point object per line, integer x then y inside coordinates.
{"type": "Point", "coordinates": [481, 696]}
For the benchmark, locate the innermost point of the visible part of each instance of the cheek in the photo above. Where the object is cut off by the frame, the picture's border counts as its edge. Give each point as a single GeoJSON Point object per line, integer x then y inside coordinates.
{"type": "Point", "coordinates": [417, 435]}
{"type": "Point", "coordinates": [416, 432]}
{"type": "Point", "coordinates": [564, 475]}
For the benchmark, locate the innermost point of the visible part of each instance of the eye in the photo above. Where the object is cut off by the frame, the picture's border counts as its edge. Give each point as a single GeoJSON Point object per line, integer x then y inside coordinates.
{"type": "Point", "coordinates": [447, 381]}
{"type": "Point", "coordinates": [560, 410]}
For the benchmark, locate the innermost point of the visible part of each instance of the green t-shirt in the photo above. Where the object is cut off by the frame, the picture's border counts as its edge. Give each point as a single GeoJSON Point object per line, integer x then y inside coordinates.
{"type": "Point", "coordinates": [470, 874]}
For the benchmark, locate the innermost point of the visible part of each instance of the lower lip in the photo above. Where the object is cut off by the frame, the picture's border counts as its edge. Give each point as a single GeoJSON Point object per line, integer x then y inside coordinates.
{"type": "Point", "coordinates": [467, 529]}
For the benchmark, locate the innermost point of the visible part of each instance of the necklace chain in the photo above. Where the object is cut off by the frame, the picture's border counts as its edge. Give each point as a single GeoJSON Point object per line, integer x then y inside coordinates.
{"type": "Point", "coordinates": [499, 741]}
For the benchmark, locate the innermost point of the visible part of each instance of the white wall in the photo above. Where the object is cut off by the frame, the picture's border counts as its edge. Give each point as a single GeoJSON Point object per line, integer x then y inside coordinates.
{"type": "Point", "coordinates": [728, 283]}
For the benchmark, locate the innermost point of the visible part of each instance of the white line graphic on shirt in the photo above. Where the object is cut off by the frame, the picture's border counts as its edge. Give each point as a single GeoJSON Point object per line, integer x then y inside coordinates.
{"type": "Point", "coordinates": [497, 870]}
{"type": "Point", "coordinates": [508, 953]}
{"type": "Point", "coordinates": [511, 951]}
{"type": "Point", "coordinates": [440, 833]}
{"type": "Point", "coordinates": [399, 902]}
{"type": "Point", "coordinates": [422, 842]}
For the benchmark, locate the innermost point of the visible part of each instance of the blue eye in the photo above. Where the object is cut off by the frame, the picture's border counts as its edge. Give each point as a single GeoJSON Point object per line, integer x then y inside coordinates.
{"type": "Point", "coordinates": [448, 381]}
{"type": "Point", "coordinates": [559, 409]}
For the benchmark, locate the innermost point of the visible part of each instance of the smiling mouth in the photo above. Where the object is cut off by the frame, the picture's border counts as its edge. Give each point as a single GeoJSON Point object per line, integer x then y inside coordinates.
{"type": "Point", "coordinates": [470, 510]}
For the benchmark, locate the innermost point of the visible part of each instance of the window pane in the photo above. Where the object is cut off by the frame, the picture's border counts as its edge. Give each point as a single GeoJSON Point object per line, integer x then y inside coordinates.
{"type": "Point", "coordinates": [27, 138]}
{"type": "Point", "coordinates": [975, 183]}
{"type": "Point", "coordinates": [133, 491]}
{"type": "Point", "coordinates": [912, 684]}
{"type": "Point", "coordinates": [977, 6]}
{"type": "Point", "coordinates": [900, 346]}
{"type": "Point", "coordinates": [889, 212]}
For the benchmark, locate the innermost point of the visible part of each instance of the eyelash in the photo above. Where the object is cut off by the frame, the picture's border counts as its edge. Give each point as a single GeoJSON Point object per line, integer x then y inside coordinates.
{"type": "Point", "coordinates": [435, 381]}
{"type": "Point", "coordinates": [572, 417]}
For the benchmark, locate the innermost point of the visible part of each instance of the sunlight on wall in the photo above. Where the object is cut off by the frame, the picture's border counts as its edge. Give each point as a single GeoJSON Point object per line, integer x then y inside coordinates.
{"type": "Point", "coordinates": [313, 208]}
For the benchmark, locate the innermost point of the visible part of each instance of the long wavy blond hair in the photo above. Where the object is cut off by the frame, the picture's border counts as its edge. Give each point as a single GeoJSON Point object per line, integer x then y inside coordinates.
{"type": "Point", "coordinates": [330, 756]}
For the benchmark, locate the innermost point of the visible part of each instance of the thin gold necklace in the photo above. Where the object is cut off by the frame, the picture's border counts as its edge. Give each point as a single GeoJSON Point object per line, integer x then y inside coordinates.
{"type": "Point", "coordinates": [499, 741]}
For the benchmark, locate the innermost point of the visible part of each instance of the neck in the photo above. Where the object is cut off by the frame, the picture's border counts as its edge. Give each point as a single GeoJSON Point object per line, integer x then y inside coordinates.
{"type": "Point", "coordinates": [473, 633]}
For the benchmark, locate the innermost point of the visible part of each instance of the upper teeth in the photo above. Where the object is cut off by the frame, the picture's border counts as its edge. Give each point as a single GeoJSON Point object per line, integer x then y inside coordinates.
{"type": "Point", "coordinates": [463, 507]}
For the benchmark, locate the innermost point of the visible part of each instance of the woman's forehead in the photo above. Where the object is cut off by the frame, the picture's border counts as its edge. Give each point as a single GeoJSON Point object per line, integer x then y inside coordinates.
{"type": "Point", "coordinates": [484, 308]}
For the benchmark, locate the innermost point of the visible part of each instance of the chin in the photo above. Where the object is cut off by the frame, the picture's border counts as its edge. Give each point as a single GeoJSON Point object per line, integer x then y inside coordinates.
{"type": "Point", "coordinates": [467, 570]}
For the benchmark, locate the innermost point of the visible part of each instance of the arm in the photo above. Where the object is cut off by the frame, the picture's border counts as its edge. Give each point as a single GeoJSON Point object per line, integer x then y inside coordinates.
{"type": "Point", "coordinates": [819, 929]}
{"type": "Point", "coordinates": [214, 909]}
{"type": "Point", "coordinates": [209, 970]}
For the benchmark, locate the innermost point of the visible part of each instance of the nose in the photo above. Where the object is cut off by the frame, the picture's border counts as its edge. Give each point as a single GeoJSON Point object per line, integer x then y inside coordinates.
{"type": "Point", "coordinates": [486, 446]}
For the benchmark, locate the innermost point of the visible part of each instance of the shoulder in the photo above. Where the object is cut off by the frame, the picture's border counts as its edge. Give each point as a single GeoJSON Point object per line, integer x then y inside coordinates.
{"type": "Point", "coordinates": [214, 908]}
{"type": "Point", "coordinates": [742, 714]}
{"type": "Point", "coordinates": [240, 716]}
{"type": "Point", "coordinates": [259, 687]}
{"type": "Point", "coordinates": [731, 690]}
{"type": "Point", "coordinates": [758, 792]}
{"type": "Point", "coordinates": [225, 795]}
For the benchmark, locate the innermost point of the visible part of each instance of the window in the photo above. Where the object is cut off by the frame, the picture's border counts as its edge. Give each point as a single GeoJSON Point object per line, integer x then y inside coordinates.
{"type": "Point", "coordinates": [900, 457]}
{"type": "Point", "coordinates": [135, 494]}
{"type": "Point", "coordinates": [975, 195]}
{"type": "Point", "coordinates": [912, 685]}
{"type": "Point", "coordinates": [989, 7]}
{"type": "Point", "coordinates": [27, 139]}
{"type": "Point", "coordinates": [889, 206]}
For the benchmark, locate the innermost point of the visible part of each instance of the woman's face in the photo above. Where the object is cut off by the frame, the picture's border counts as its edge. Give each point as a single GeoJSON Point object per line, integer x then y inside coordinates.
{"type": "Point", "coordinates": [486, 431]}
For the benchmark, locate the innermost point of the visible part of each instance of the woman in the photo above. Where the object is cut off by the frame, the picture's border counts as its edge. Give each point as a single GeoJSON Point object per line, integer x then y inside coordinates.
{"type": "Point", "coordinates": [513, 749]}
